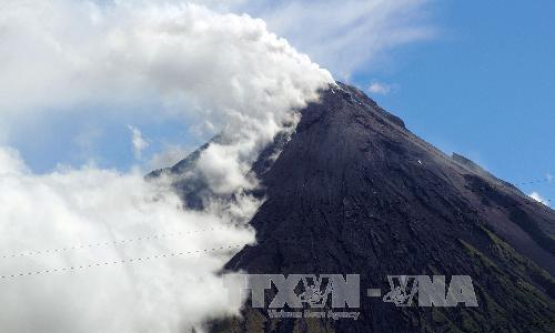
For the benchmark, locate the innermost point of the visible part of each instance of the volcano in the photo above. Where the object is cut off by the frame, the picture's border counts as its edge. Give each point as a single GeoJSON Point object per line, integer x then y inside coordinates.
{"type": "Point", "coordinates": [355, 192]}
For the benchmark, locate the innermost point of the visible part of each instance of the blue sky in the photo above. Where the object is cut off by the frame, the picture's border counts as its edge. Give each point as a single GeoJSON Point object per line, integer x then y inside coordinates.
{"type": "Point", "coordinates": [484, 87]}
{"type": "Point", "coordinates": [95, 81]}
{"type": "Point", "coordinates": [473, 77]}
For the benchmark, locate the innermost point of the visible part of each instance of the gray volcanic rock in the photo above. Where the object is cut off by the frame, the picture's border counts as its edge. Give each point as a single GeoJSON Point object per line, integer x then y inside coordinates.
{"type": "Point", "coordinates": [355, 192]}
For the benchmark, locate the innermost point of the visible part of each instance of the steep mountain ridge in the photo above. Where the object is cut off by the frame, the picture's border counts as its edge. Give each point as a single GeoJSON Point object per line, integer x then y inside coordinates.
{"type": "Point", "coordinates": [355, 192]}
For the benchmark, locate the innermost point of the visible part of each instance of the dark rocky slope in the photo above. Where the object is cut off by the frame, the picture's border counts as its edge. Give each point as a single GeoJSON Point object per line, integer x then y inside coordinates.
{"type": "Point", "coordinates": [354, 191]}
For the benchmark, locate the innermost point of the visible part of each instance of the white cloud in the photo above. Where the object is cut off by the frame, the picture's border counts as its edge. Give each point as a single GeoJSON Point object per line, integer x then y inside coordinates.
{"type": "Point", "coordinates": [122, 51]}
{"type": "Point", "coordinates": [240, 78]}
{"type": "Point", "coordinates": [129, 52]}
{"type": "Point", "coordinates": [73, 207]}
{"type": "Point", "coordinates": [228, 71]}
{"type": "Point", "coordinates": [536, 196]}
{"type": "Point", "coordinates": [379, 88]}
{"type": "Point", "coordinates": [11, 162]}
{"type": "Point", "coordinates": [139, 144]}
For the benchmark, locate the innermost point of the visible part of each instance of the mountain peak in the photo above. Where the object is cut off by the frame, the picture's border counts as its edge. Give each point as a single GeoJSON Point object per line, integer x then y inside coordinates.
{"type": "Point", "coordinates": [354, 191]}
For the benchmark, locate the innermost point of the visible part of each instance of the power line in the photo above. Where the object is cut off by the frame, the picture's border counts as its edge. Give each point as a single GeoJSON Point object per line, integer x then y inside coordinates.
{"type": "Point", "coordinates": [117, 262]}
{"type": "Point", "coordinates": [32, 253]}
{"type": "Point", "coordinates": [87, 246]}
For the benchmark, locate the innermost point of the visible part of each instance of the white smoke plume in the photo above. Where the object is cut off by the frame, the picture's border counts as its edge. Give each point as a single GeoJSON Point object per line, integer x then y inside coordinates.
{"type": "Point", "coordinates": [58, 55]}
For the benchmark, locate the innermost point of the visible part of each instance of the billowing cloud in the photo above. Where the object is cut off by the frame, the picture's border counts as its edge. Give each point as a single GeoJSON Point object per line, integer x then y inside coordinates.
{"type": "Point", "coordinates": [226, 70]}
{"type": "Point", "coordinates": [125, 52]}
{"type": "Point", "coordinates": [77, 218]}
